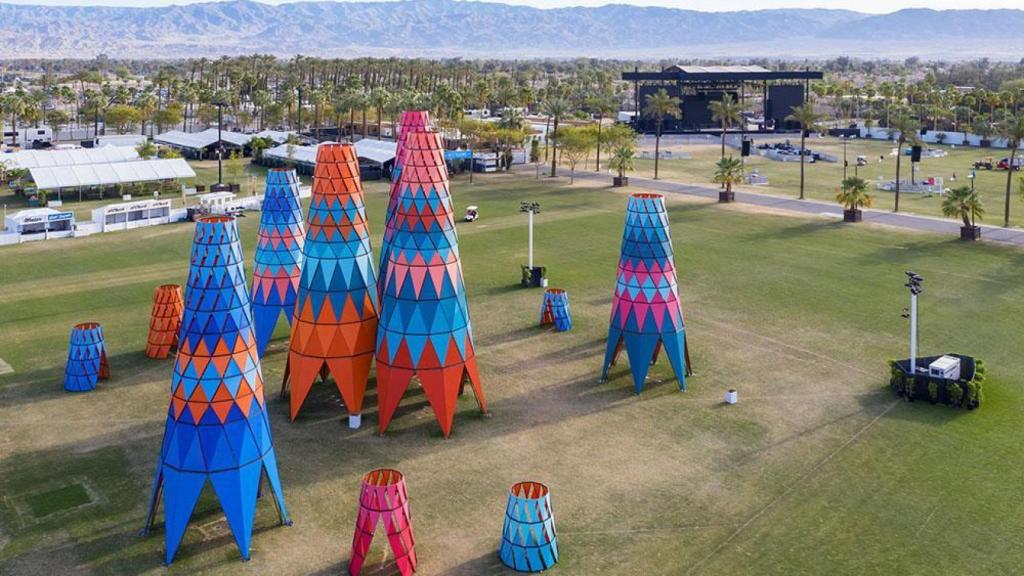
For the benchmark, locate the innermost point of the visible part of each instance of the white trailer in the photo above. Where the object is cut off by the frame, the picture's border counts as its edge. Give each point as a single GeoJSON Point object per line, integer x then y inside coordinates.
{"type": "Point", "coordinates": [27, 137]}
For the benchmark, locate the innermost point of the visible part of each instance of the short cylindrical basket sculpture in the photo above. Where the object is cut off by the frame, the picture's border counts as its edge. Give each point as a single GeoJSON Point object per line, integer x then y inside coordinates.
{"type": "Point", "coordinates": [554, 309]}
{"type": "Point", "coordinates": [165, 321]}
{"type": "Point", "coordinates": [87, 358]}
{"type": "Point", "coordinates": [528, 542]}
{"type": "Point", "coordinates": [384, 498]}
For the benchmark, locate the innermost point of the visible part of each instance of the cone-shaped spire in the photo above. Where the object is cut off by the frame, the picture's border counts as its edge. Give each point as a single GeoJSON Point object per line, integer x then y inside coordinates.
{"type": "Point", "coordinates": [217, 427]}
{"type": "Point", "coordinates": [165, 321]}
{"type": "Point", "coordinates": [335, 324]}
{"type": "Point", "coordinates": [646, 313]}
{"type": "Point", "coordinates": [275, 279]}
{"type": "Point", "coordinates": [424, 324]}
{"type": "Point", "coordinates": [411, 121]}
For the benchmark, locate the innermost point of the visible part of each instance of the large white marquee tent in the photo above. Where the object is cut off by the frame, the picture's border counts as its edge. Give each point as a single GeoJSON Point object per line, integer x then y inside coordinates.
{"type": "Point", "coordinates": [28, 159]}
{"type": "Point", "coordinates": [111, 173]}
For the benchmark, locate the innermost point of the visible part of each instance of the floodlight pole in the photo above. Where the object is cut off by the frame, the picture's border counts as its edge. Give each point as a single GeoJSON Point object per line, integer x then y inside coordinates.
{"type": "Point", "coordinates": [914, 284]}
{"type": "Point", "coordinates": [530, 208]}
{"type": "Point", "coordinates": [220, 143]}
{"type": "Point", "coordinates": [913, 333]}
{"type": "Point", "coordinates": [529, 261]}
{"type": "Point", "coordinates": [845, 163]}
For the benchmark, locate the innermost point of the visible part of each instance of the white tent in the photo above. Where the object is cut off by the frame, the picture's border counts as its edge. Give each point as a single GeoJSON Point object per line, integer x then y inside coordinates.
{"type": "Point", "coordinates": [277, 136]}
{"type": "Point", "coordinates": [300, 154]}
{"type": "Point", "coordinates": [378, 151]}
{"type": "Point", "coordinates": [48, 178]}
{"type": "Point", "coordinates": [74, 157]}
{"type": "Point", "coordinates": [201, 140]}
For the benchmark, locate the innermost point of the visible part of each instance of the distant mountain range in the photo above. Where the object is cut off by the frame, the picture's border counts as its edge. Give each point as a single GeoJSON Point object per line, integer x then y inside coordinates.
{"type": "Point", "coordinates": [440, 28]}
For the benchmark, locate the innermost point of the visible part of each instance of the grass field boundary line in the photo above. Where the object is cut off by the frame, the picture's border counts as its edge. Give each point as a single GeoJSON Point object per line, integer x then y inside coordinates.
{"type": "Point", "coordinates": [791, 487]}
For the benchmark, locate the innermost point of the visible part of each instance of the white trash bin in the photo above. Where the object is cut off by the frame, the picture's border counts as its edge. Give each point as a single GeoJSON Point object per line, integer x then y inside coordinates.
{"type": "Point", "coordinates": [731, 397]}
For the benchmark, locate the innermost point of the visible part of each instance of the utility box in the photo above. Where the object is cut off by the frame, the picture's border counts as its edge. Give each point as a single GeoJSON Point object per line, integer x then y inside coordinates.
{"type": "Point", "coordinates": [947, 367]}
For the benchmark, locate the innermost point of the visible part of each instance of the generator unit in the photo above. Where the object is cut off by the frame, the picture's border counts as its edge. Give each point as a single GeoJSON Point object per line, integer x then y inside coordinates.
{"type": "Point", "coordinates": [947, 367]}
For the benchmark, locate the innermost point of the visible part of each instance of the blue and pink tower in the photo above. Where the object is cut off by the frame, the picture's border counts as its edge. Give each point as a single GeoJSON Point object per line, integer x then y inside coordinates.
{"type": "Point", "coordinates": [278, 266]}
{"type": "Point", "coordinates": [646, 314]}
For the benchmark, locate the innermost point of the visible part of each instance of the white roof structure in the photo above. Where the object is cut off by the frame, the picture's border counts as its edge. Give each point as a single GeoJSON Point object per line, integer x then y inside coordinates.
{"type": "Point", "coordinates": [379, 151]}
{"type": "Point", "coordinates": [32, 215]}
{"type": "Point", "coordinates": [301, 154]}
{"type": "Point", "coordinates": [278, 136]}
{"type": "Point", "coordinates": [47, 178]}
{"type": "Point", "coordinates": [74, 157]}
{"type": "Point", "coordinates": [200, 140]}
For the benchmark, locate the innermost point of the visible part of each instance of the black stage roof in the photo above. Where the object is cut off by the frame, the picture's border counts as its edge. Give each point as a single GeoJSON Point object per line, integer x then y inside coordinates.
{"type": "Point", "coordinates": [722, 74]}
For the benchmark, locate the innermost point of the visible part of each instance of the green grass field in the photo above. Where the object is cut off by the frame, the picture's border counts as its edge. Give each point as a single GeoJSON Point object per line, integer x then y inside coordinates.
{"type": "Point", "coordinates": [819, 469]}
{"type": "Point", "coordinates": [822, 178]}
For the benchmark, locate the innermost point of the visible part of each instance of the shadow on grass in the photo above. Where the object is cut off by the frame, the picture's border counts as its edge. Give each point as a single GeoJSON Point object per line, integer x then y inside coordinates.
{"type": "Point", "coordinates": [482, 565]}
{"type": "Point", "coordinates": [921, 411]}
{"type": "Point", "coordinates": [47, 383]}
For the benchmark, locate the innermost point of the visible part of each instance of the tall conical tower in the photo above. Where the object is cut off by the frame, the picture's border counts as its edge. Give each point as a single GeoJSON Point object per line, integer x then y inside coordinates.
{"type": "Point", "coordinates": [424, 323]}
{"type": "Point", "coordinates": [335, 325]}
{"type": "Point", "coordinates": [411, 121]}
{"type": "Point", "coordinates": [275, 279]}
{"type": "Point", "coordinates": [646, 314]}
{"type": "Point", "coordinates": [217, 428]}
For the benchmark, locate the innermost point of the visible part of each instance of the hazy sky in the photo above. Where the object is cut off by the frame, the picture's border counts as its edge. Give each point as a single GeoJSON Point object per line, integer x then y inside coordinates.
{"type": "Point", "coordinates": [710, 5]}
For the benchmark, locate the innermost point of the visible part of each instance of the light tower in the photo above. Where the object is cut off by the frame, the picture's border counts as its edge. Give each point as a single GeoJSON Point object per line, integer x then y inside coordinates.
{"type": "Point", "coordinates": [914, 284]}
{"type": "Point", "coordinates": [532, 277]}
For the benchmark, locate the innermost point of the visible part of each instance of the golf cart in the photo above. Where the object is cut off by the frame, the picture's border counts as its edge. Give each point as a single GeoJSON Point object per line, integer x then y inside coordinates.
{"type": "Point", "coordinates": [472, 213]}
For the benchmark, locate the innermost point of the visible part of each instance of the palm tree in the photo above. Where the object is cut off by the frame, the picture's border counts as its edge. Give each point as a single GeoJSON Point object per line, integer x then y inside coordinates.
{"type": "Point", "coordinates": [808, 119]}
{"type": "Point", "coordinates": [555, 108]}
{"type": "Point", "coordinates": [13, 104]}
{"type": "Point", "coordinates": [659, 105]}
{"type": "Point", "coordinates": [853, 195]}
{"type": "Point", "coordinates": [622, 161]}
{"type": "Point", "coordinates": [1013, 131]}
{"type": "Point", "coordinates": [726, 112]}
{"type": "Point", "coordinates": [728, 171]}
{"type": "Point", "coordinates": [600, 106]}
{"type": "Point", "coordinates": [964, 203]}
{"type": "Point", "coordinates": [905, 129]}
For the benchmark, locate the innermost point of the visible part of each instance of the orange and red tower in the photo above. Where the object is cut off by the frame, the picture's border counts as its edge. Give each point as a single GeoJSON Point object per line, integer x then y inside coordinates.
{"type": "Point", "coordinates": [335, 321]}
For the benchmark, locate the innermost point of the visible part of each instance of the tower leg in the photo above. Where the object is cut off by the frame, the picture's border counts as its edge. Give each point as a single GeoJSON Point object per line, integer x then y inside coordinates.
{"type": "Point", "coordinates": [154, 503]}
{"type": "Point", "coordinates": [285, 380]}
{"type": "Point", "coordinates": [686, 354]}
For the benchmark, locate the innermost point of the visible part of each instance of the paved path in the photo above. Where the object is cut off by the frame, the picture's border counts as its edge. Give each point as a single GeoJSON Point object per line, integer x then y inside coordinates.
{"type": "Point", "coordinates": [909, 221]}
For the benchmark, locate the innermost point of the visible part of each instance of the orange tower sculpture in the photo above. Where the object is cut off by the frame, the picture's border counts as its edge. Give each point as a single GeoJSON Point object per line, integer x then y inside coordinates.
{"type": "Point", "coordinates": [165, 321]}
{"type": "Point", "coordinates": [335, 324]}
